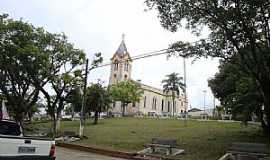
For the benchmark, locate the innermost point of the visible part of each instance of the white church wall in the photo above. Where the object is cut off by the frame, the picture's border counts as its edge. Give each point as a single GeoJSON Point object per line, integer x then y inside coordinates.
{"type": "Point", "coordinates": [122, 71]}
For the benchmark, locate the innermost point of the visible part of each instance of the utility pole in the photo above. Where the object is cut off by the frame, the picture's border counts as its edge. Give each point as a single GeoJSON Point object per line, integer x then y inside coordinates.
{"type": "Point", "coordinates": [214, 104]}
{"type": "Point", "coordinates": [82, 116]}
{"type": "Point", "coordinates": [204, 93]}
{"type": "Point", "coordinates": [185, 89]}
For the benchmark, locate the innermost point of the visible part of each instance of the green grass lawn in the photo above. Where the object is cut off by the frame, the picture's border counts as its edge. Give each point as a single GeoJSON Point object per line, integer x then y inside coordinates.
{"type": "Point", "coordinates": [201, 140]}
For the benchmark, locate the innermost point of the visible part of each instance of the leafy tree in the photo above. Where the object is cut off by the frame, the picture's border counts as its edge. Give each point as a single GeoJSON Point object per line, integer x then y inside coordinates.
{"type": "Point", "coordinates": [33, 60]}
{"type": "Point", "coordinates": [34, 109]}
{"type": "Point", "coordinates": [68, 110]}
{"type": "Point", "coordinates": [172, 85]}
{"type": "Point", "coordinates": [60, 70]}
{"type": "Point", "coordinates": [236, 90]}
{"type": "Point", "coordinates": [236, 27]}
{"type": "Point", "coordinates": [19, 58]}
{"type": "Point", "coordinates": [97, 100]}
{"type": "Point", "coordinates": [219, 111]}
{"type": "Point", "coordinates": [126, 92]}
{"type": "Point", "coordinates": [75, 99]}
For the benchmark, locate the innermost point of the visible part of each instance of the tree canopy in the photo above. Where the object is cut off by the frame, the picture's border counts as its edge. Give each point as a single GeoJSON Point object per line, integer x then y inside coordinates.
{"type": "Point", "coordinates": [126, 92]}
{"type": "Point", "coordinates": [20, 58]}
{"type": "Point", "coordinates": [33, 62]}
{"type": "Point", "coordinates": [237, 27]}
{"type": "Point", "coordinates": [97, 100]}
{"type": "Point", "coordinates": [172, 85]}
{"type": "Point", "coordinates": [236, 90]}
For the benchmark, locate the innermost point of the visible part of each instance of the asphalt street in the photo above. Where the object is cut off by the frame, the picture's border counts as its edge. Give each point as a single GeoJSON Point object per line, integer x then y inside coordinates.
{"type": "Point", "coordinates": [67, 154]}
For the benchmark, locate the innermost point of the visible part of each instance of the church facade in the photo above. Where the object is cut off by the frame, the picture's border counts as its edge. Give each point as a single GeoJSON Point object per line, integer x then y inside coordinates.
{"type": "Point", "coordinates": [153, 101]}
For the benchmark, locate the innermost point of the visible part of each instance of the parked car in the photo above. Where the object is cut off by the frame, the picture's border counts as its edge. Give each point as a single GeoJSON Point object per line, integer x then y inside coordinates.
{"type": "Point", "coordinates": [15, 146]}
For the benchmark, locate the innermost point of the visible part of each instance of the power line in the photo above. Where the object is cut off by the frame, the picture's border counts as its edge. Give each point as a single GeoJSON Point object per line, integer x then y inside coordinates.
{"type": "Point", "coordinates": [141, 56]}
{"type": "Point", "coordinates": [146, 55]}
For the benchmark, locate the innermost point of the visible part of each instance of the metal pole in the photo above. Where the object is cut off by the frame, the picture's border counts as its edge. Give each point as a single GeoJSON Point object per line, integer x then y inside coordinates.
{"type": "Point", "coordinates": [185, 89]}
{"type": "Point", "coordinates": [204, 91]}
{"type": "Point", "coordinates": [214, 103]}
{"type": "Point", "coordinates": [82, 116]}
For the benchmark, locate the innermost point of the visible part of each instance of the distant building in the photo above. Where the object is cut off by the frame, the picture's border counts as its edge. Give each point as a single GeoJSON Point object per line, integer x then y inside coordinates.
{"type": "Point", "coordinates": [194, 110]}
{"type": "Point", "coordinates": [154, 101]}
{"type": "Point", "coordinates": [198, 113]}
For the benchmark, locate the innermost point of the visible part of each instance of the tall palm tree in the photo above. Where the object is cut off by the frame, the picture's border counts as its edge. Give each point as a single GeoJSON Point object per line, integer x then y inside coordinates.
{"type": "Point", "coordinates": [173, 83]}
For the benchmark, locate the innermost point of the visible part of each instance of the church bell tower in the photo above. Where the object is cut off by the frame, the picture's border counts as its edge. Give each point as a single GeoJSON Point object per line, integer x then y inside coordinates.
{"type": "Point", "coordinates": [121, 64]}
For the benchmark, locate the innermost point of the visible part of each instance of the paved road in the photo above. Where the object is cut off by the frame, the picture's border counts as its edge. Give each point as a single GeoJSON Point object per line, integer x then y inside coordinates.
{"type": "Point", "coordinates": [67, 154]}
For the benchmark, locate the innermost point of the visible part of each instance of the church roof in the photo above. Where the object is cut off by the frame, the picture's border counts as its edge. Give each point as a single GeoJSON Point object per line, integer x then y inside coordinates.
{"type": "Point", "coordinates": [122, 49]}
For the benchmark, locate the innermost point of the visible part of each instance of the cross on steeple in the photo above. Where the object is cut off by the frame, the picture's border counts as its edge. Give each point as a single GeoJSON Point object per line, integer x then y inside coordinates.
{"type": "Point", "coordinates": [123, 37]}
{"type": "Point", "coordinates": [122, 49]}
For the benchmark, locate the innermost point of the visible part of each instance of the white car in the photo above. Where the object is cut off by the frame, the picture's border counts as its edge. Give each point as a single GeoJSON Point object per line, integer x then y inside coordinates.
{"type": "Point", "coordinates": [14, 146]}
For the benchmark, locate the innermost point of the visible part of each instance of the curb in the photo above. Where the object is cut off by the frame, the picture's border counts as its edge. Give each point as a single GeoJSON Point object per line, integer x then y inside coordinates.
{"type": "Point", "coordinates": [111, 153]}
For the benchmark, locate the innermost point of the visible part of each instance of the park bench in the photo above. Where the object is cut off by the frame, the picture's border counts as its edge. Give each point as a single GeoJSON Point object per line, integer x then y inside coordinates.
{"type": "Point", "coordinates": [254, 151]}
{"type": "Point", "coordinates": [69, 134]}
{"type": "Point", "coordinates": [159, 143]}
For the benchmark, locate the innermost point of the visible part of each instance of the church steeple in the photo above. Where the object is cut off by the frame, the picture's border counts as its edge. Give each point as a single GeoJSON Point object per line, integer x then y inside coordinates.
{"type": "Point", "coordinates": [122, 49]}
{"type": "Point", "coordinates": [121, 64]}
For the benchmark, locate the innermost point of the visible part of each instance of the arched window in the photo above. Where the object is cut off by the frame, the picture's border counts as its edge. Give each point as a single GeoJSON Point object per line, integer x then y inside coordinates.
{"type": "Point", "coordinates": [126, 66]}
{"type": "Point", "coordinates": [154, 104]}
{"type": "Point", "coordinates": [174, 109]}
{"type": "Point", "coordinates": [169, 106]}
{"type": "Point", "coordinates": [115, 65]}
{"type": "Point", "coordinates": [162, 105]}
{"type": "Point", "coordinates": [144, 102]}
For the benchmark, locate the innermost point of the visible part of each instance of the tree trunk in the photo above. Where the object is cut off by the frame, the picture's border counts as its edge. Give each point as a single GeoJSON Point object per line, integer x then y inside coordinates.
{"type": "Point", "coordinates": [58, 124]}
{"type": "Point", "coordinates": [30, 116]}
{"type": "Point", "coordinates": [173, 104]}
{"type": "Point", "coordinates": [265, 92]}
{"type": "Point", "coordinates": [53, 125]}
{"type": "Point", "coordinates": [19, 118]}
{"type": "Point", "coordinates": [266, 126]}
{"type": "Point", "coordinates": [72, 113]}
{"type": "Point", "coordinates": [123, 109]}
{"type": "Point", "coordinates": [95, 118]}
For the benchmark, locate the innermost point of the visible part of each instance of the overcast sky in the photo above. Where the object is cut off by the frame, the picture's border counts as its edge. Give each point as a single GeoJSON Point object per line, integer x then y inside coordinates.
{"type": "Point", "coordinates": [98, 25]}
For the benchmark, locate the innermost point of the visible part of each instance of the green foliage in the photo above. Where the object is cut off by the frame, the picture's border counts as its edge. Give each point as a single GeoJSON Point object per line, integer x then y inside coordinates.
{"type": "Point", "coordinates": [68, 110]}
{"type": "Point", "coordinates": [202, 140]}
{"type": "Point", "coordinates": [126, 92]}
{"type": "Point", "coordinates": [60, 71]}
{"type": "Point", "coordinates": [97, 60]}
{"type": "Point", "coordinates": [172, 84]}
{"type": "Point", "coordinates": [19, 59]}
{"type": "Point", "coordinates": [75, 99]}
{"type": "Point", "coordinates": [230, 23]}
{"type": "Point", "coordinates": [236, 28]}
{"type": "Point", "coordinates": [236, 90]}
{"type": "Point", "coordinates": [97, 99]}
{"type": "Point", "coordinates": [31, 59]}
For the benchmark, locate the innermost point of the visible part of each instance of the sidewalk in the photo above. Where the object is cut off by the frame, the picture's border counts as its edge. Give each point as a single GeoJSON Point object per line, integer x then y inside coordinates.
{"type": "Point", "coordinates": [68, 154]}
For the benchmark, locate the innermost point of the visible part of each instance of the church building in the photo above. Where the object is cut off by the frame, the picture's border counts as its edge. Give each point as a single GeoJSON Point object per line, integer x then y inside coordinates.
{"type": "Point", "coordinates": [153, 101]}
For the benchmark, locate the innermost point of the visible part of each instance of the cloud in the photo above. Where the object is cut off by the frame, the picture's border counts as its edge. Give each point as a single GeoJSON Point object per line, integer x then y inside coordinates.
{"type": "Point", "coordinates": [97, 26]}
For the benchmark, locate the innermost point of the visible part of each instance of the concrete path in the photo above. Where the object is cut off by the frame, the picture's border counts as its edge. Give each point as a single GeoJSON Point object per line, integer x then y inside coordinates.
{"type": "Point", "coordinates": [68, 154]}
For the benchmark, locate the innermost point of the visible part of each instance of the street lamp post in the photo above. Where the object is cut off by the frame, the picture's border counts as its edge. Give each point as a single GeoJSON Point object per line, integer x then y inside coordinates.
{"type": "Point", "coordinates": [185, 89]}
{"type": "Point", "coordinates": [82, 116]}
{"type": "Point", "coordinates": [214, 105]}
{"type": "Point", "coordinates": [204, 93]}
